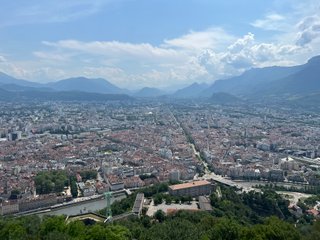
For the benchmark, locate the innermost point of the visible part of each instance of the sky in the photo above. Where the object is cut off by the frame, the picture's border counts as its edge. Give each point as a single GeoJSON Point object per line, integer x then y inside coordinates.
{"type": "Point", "coordinates": [154, 43]}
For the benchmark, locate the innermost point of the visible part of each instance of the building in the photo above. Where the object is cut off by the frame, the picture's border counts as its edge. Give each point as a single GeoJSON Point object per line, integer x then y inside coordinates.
{"type": "Point", "coordinates": [193, 189]}
{"type": "Point", "coordinates": [174, 175]}
{"type": "Point", "coordinates": [263, 146]}
{"type": "Point", "coordinates": [9, 207]}
{"type": "Point", "coordinates": [116, 183]}
{"type": "Point", "coordinates": [133, 182]}
{"type": "Point", "coordinates": [204, 204]}
{"type": "Point", "coordinates": [276, 175]}
{"type": "Point", "coordinates": [165, 153]}
{"type": "Point", "coordinates": [87, 218]}
{"type": "Point", "coordinates": [102, 187]}
{"type": "Point", "coordinates": [89, 190]}
{"type": "Point", "coordinates": [288, 164]}
{"type": "Point", "coordinates": [15, 136]}
{"type": "Point", "coordinates": [39, 202]}
{"type": "Point", "coordinates": [138, 204]}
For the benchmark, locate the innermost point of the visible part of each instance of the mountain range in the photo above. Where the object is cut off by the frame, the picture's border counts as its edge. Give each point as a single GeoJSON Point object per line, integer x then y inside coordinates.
{"type": "Point", "coordinates": [95, 85]}
{"type": "Point", "coordinates": [36, 95]}
{"type": "Point", "coordinates": [191, 91]}
{"type": "Point", "coordinates": [273, 82]}
{"type": "Point", "coordinates": [149, 92]}
{"type": "Point", "coordinates": [296, 82]}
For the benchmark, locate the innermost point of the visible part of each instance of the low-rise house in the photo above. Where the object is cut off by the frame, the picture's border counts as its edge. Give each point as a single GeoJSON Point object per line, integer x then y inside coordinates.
{"type": "Point", "coordinates": [133, 182]}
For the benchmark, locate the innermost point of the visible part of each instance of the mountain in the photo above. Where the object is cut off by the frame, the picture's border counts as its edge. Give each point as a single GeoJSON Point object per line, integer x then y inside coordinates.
{"type": "Point", "coordinates": [4, 95]}
{"type": "Point", "coordinates": [73, 96]}
{"type": "Point", "coordinates": [190, 91]}
{"type": "Point", "coordinates": [310, 100]}
{"type": "Point", "coordinates": [250, 81]}
{"type": "Point", "coordinates": [149, 92]}
{"type": "Point", "coordinates": [97, 85]}
{"type": "Point", "coordinates": [303, 82]}
{"type": "Point", "coordinates": [82, 84]}
{"type": "Point", "coordinates": [258, 83]}
{"type": "Point", "coordinates": [6, 79]}
{"type": "Point", "coordinates": [19, 88]}
{"type": "Point", "coordinates": [224, 98]}
{"type": "Point", "coordinates": [36, 95]}
{"type": "Point", "coordinates": [271, 81]}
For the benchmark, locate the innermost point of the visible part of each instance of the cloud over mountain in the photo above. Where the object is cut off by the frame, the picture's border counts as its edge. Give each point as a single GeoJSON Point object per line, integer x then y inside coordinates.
{"type": "Point", "coordinates": [274, 36]}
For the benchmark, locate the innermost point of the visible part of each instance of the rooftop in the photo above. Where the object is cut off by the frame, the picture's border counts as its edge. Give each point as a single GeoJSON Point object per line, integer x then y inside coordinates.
{"type": "Point", "coordinates": [189, 185]}
{"type": "Point", "coordinates": [137, 203]}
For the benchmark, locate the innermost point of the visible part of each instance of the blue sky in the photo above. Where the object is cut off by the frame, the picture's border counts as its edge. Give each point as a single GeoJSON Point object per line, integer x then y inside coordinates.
{"type": "Point", "coordinates": [156, 43]}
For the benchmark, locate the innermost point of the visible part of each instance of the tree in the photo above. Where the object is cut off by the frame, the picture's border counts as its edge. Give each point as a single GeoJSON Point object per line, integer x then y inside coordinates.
{"type": "Point", "coordinates": [76, 230]}
{"type": "Point", "coordinates": [157, 199]}
{"type": "Point", "coordinates": [175, 229]}
{"type": "Point", "coordinates": [48, 182]}
{"type": "Point", "coordinates": [14, 194]}
{"type": "Point", "coordinates": [160, 215]}
{"type": "Point", "coordinates": [312, 232]}
{"type": "Point", "coordinates": [51, 224]}
{"type": "Point", "coordinates": [168, 199]}
{"type": "Point", "coordinates": [225, 229]}
{"type": "Point", "coordinates": [74, 188]}
{"type": "Point", "coordinates": [275, 229]}
{"type": "Point", "coordinates": [12, 230]}
{"type": "Point", "coordinates": [96, 232]}
{"type": "Point", "coordinates": [117, 232]}
{"type": "Point", "coordinates": [89, 174]}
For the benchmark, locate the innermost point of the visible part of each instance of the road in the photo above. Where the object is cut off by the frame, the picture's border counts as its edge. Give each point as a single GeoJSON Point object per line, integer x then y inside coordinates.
{"type": "Point", "coordinates": [293, 197]}
{"type": "Point", "coordinates": [82, 207]}
{"type": "Point", "coordinates": [204, 163]}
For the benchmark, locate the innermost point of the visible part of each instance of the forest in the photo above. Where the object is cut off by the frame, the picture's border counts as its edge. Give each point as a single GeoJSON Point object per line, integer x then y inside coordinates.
{"type": "Point", "coordinates": [252, 215]}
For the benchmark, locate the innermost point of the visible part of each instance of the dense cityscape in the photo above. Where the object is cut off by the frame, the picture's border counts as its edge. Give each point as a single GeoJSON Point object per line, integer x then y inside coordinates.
{"type": "Point", "coordinates": [160, 120]}
{"type": "Point", "coordinates": [129, 145]}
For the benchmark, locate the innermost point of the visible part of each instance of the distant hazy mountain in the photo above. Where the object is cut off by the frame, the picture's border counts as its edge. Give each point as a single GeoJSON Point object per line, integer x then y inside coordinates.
{"type": "Point", "coordinates": [73, 96]}
{"type": "Point", "coordinates": [224, 98]}
{"type": "Point", "coordinates": [149, 92]}
{"type": "Point", "coordinates": [271, 81]}
{"type": "Point", "coordinates": [19, 88]}
{"type": "Point", "coordinates": [6, 79]}
{"type": "Point", "coordinates": [191, 91]}
{"type": "Point", "coordinates": [259, 83]}
{"type": "Point", "coordinates": [83, 84]}
{"type": "Point", "coordinates": [250, 81]}
{"type": "Point", "coordinates": [36, 95]}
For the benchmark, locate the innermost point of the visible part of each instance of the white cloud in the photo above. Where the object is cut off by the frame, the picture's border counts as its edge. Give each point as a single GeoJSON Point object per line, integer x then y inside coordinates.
{"type": "Point", "coordinates": [246, 53]}
{"type": "Point", "coordinates": [116, 49]}
{"type": "Point", "coordinates": [195, 56]}
{"type": "Point", "coordinates": [2, 59]}
{"type": "Point", "coordinates": [173, 62]}
{"type": "Point", "coordinates": [178, 74]}
{"type": "Point", "coordinates": [241, 43]}
{"type": "Point", "coordinates": [309, 30]}
{"type": "Point", "coordinates": [213, 38]}
{"type": "Point", "coordinates": [272, 21]}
